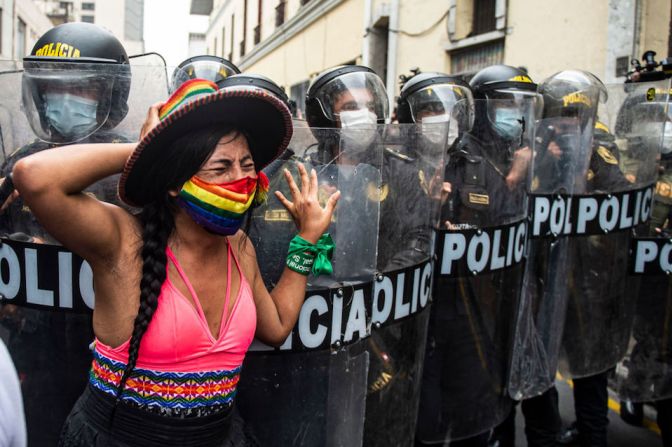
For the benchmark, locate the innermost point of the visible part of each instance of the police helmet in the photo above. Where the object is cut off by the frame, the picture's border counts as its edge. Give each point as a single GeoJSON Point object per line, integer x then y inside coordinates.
{"type": "Point", "coordinates": [212, 68]}
{"type": "Point", "coordinates": [436, 97]}
{"type": "Point", "coordinates": [76, 81]}
{"type": "Point", "coordinates": [254, 81]}
{"type": "Point", "coordinates": [573, 94]}
{"type": "Point", "coordinates": [506, 100]}
{"type": "Point", "coordinates": [645, 117]}
{"type": "Point", "coordinates": [347, 88]}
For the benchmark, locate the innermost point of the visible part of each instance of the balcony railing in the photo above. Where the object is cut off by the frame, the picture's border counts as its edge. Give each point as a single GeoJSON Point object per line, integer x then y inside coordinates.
{"type": "Point", "coordinates": [303, 2]}
{"type": "Point", "coordinates": [280, 13]}
{"type": "Point", "coordinates": [257, 34]}
{"type": "Point", "coordinates": [242, 48]}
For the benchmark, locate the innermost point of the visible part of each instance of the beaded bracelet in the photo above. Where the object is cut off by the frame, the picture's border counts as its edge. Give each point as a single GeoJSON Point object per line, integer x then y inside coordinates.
{"type": "Point", "coordinates": [305, 258]}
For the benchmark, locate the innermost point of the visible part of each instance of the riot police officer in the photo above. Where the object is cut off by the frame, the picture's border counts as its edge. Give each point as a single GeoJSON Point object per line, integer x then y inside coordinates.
{"type": "Point", "coordinates": [644, 122]}
{"type": "Point", "coordinates": [352, 99]}
{"type": "Point", "coordinates": [600, 289]}
{"type": "Point", "coordinates": [464, 381]}
{"type": "Point", "coordinates": [563, 146]}
{"type": "Point", "coordinates": [75, 87]}
{"type": "Point", "coordinates": [320, 385]}
{"type": "Point", "coordinates": [212, 68]}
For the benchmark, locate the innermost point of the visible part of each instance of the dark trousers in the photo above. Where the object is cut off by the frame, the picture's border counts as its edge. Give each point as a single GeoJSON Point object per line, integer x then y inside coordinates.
{"type": "Point", "coordinates": [542, 419]}
{"type": "Point", "coordinates": [664, 419]}
{"type": "Point", "coordinates": [591, 407]}
{"type": "Point", "coordinates": [542, 422]}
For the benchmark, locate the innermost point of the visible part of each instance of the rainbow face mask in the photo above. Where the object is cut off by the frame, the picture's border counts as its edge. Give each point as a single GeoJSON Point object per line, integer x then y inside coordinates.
{"type": "Point", "coordinates": [221, 207]}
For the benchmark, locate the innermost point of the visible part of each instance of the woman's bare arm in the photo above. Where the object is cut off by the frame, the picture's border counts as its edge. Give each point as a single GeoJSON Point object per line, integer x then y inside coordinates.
{"type": "Point", "coordinates": [51, 184]}
{"type": "Point", "coordinates": [278, 311]}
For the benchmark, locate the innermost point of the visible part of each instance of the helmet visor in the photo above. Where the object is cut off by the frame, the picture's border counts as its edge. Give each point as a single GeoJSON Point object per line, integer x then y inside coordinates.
{"type": "Point", "coordinates": [437, 100]}
{"type": "Point", "coordinates": [513, 105]}
{"type": "Point", "coordinates": [67, 104]}
{"type": "Point", "coordinates": [211, 70]}
{"type": "Point", "coordinates": [353, 92]}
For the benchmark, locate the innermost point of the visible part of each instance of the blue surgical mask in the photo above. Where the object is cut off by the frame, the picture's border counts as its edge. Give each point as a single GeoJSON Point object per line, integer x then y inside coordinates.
{"type": "Point", "coordinates": [508, 123]}
{"type": "Point", "coordinates": [72, 116]}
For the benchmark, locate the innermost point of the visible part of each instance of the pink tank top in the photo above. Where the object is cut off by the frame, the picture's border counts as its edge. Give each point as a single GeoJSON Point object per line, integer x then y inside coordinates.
{"type": "Point", "coordinates": [179, 360]}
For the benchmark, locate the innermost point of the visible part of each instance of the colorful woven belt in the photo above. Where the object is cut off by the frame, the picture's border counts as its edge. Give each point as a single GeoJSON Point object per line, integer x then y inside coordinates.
{"type": "Point", "coordinates": [167, 392]}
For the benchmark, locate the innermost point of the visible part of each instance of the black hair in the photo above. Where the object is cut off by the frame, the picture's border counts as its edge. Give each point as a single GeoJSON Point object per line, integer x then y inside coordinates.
{"type": "Point", "coordinates": [158, 223]}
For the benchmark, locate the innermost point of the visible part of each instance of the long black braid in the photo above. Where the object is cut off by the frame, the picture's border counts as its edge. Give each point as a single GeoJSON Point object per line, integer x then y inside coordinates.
{"type": "Point", "coordinates": [157, 226]}
{"type": "Point", "coordinates": [158, 223]}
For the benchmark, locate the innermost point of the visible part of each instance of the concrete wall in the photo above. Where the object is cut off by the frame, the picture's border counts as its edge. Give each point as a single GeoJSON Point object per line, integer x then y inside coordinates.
{"type": "Point", "coordinates": [655, 27]}
{"type": "Point", "coordinates": [543, 36]}
{"type": "Point", "coordinates": [424, 51]}
{"type": "Point", "coordinates": [36, 22]}
{"type": "Point", "coordinates": [554, 35]}
{"type": "Point", "coordinates": [333, 39]}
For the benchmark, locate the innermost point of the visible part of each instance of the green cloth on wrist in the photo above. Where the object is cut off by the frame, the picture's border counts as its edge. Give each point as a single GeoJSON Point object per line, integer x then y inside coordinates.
{"type": "Point", "coordinates": [304, 257]}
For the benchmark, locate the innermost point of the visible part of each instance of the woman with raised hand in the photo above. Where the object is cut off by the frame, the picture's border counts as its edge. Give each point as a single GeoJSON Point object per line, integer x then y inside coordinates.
{"type": "Point", "coordinates": [179, 296]}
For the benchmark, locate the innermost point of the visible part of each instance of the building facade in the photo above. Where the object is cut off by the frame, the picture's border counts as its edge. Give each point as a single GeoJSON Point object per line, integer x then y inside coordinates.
{"type": "Point", "coordinates": [21, 24]}
{"type": "Point", "coordinates": [123, 18]}
{"type": "Point", "coordinates": [292, 40]}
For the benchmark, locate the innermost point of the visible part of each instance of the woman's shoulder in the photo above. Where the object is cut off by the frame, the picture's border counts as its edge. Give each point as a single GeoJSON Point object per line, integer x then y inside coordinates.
{"type": "Point", "coordinates": [244, 251]}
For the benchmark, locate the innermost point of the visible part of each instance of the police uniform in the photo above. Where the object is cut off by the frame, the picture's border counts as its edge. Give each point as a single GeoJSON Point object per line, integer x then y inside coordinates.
{"type": "Point", "coordinates": [594, 300]}
{"type": "Point", "coordinates": [50, 347]}
{"type": "Point", "coordinates": [470, 327]}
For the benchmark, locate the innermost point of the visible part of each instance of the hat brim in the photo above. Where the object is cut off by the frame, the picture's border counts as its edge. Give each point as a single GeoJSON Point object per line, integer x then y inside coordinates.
{"type": "Point", "coordinates": [263, 116]}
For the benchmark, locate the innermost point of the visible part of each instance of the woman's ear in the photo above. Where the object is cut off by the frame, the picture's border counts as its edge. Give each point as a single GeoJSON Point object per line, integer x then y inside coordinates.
{"type": "Point", "coordinates": [173, 193]}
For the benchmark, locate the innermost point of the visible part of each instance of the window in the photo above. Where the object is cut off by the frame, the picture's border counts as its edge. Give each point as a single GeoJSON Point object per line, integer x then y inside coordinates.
{"type": "Point", "coordinates": [280, 13]}
{"type": "Point", "coordinates": [297, 93]}
{"type": "Point", "coordinates": [622, 66]}
{"type": "Point", "coordinates": [484, 17]}
{"type": "Point", "coordinates": [242, 42]}
{"type": "Point", "coordinates": [20, 39]}
{"type": "Point", "coordinates": [88, 6]}
{"type": "Point", "coordinates": [87, 19]}
{"type": "Point", "coordinates": [257, 29]}
{"type": "Point", "coordinates": [470, 60]}
{"type": "Point", "coordinates": [233, 23]}
{"type": "Point", "coordinates": [197, 44]}
{"type": "Point", "coordinates": [223, 42]}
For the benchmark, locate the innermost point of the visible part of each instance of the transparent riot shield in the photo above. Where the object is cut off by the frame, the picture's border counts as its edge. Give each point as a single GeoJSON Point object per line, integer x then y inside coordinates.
{"type": "Point", "coordinates": [645, 374]}
{"type": "Point", "coordinates": [312, 390]}
{"type": "Point", "coordinates": [412, 175]}
{"type": "Point", "coordinates": [478, 277]}
{"type": "Point", "coordinates": [562, 150]}
{"type": "Point", "coordinates": [46, 291]}
{"type": "Point", "coordinates": [616, 203]}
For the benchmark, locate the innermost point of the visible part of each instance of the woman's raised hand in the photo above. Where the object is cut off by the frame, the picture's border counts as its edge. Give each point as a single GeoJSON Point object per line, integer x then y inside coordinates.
{"type": "Point", "coordinates": [310, 218]}
{"type": "Point", "coordinates": [151, 121]}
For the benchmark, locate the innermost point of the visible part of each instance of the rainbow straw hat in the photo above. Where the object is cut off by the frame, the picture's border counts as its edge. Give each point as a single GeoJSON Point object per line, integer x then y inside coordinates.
{"type": "Point", "coordinates": [195, 105]}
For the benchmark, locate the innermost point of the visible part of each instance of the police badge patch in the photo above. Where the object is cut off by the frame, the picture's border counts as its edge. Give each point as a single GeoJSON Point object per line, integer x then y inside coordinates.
{"type": "Point", "coordinates": [606, 155]}
{"type": "Point", "coordinates": [377, 194]}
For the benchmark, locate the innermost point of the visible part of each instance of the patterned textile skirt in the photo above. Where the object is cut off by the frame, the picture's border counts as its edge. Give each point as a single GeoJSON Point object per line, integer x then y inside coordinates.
{"type": "Point", "coordinates": [96, 421]}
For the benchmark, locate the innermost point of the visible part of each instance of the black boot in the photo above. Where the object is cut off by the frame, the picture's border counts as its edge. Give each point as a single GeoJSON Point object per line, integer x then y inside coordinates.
{"type": "Point", "coordinates": [568, 435]}
{"type": "Point", "coordinates": [632, 413]}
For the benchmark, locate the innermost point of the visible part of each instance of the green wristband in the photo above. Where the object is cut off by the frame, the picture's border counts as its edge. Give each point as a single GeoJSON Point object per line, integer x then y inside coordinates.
{"type": "Point", "coordinates": [305, 258]}
{"type": "Point", "coordinates": [301, 262]}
